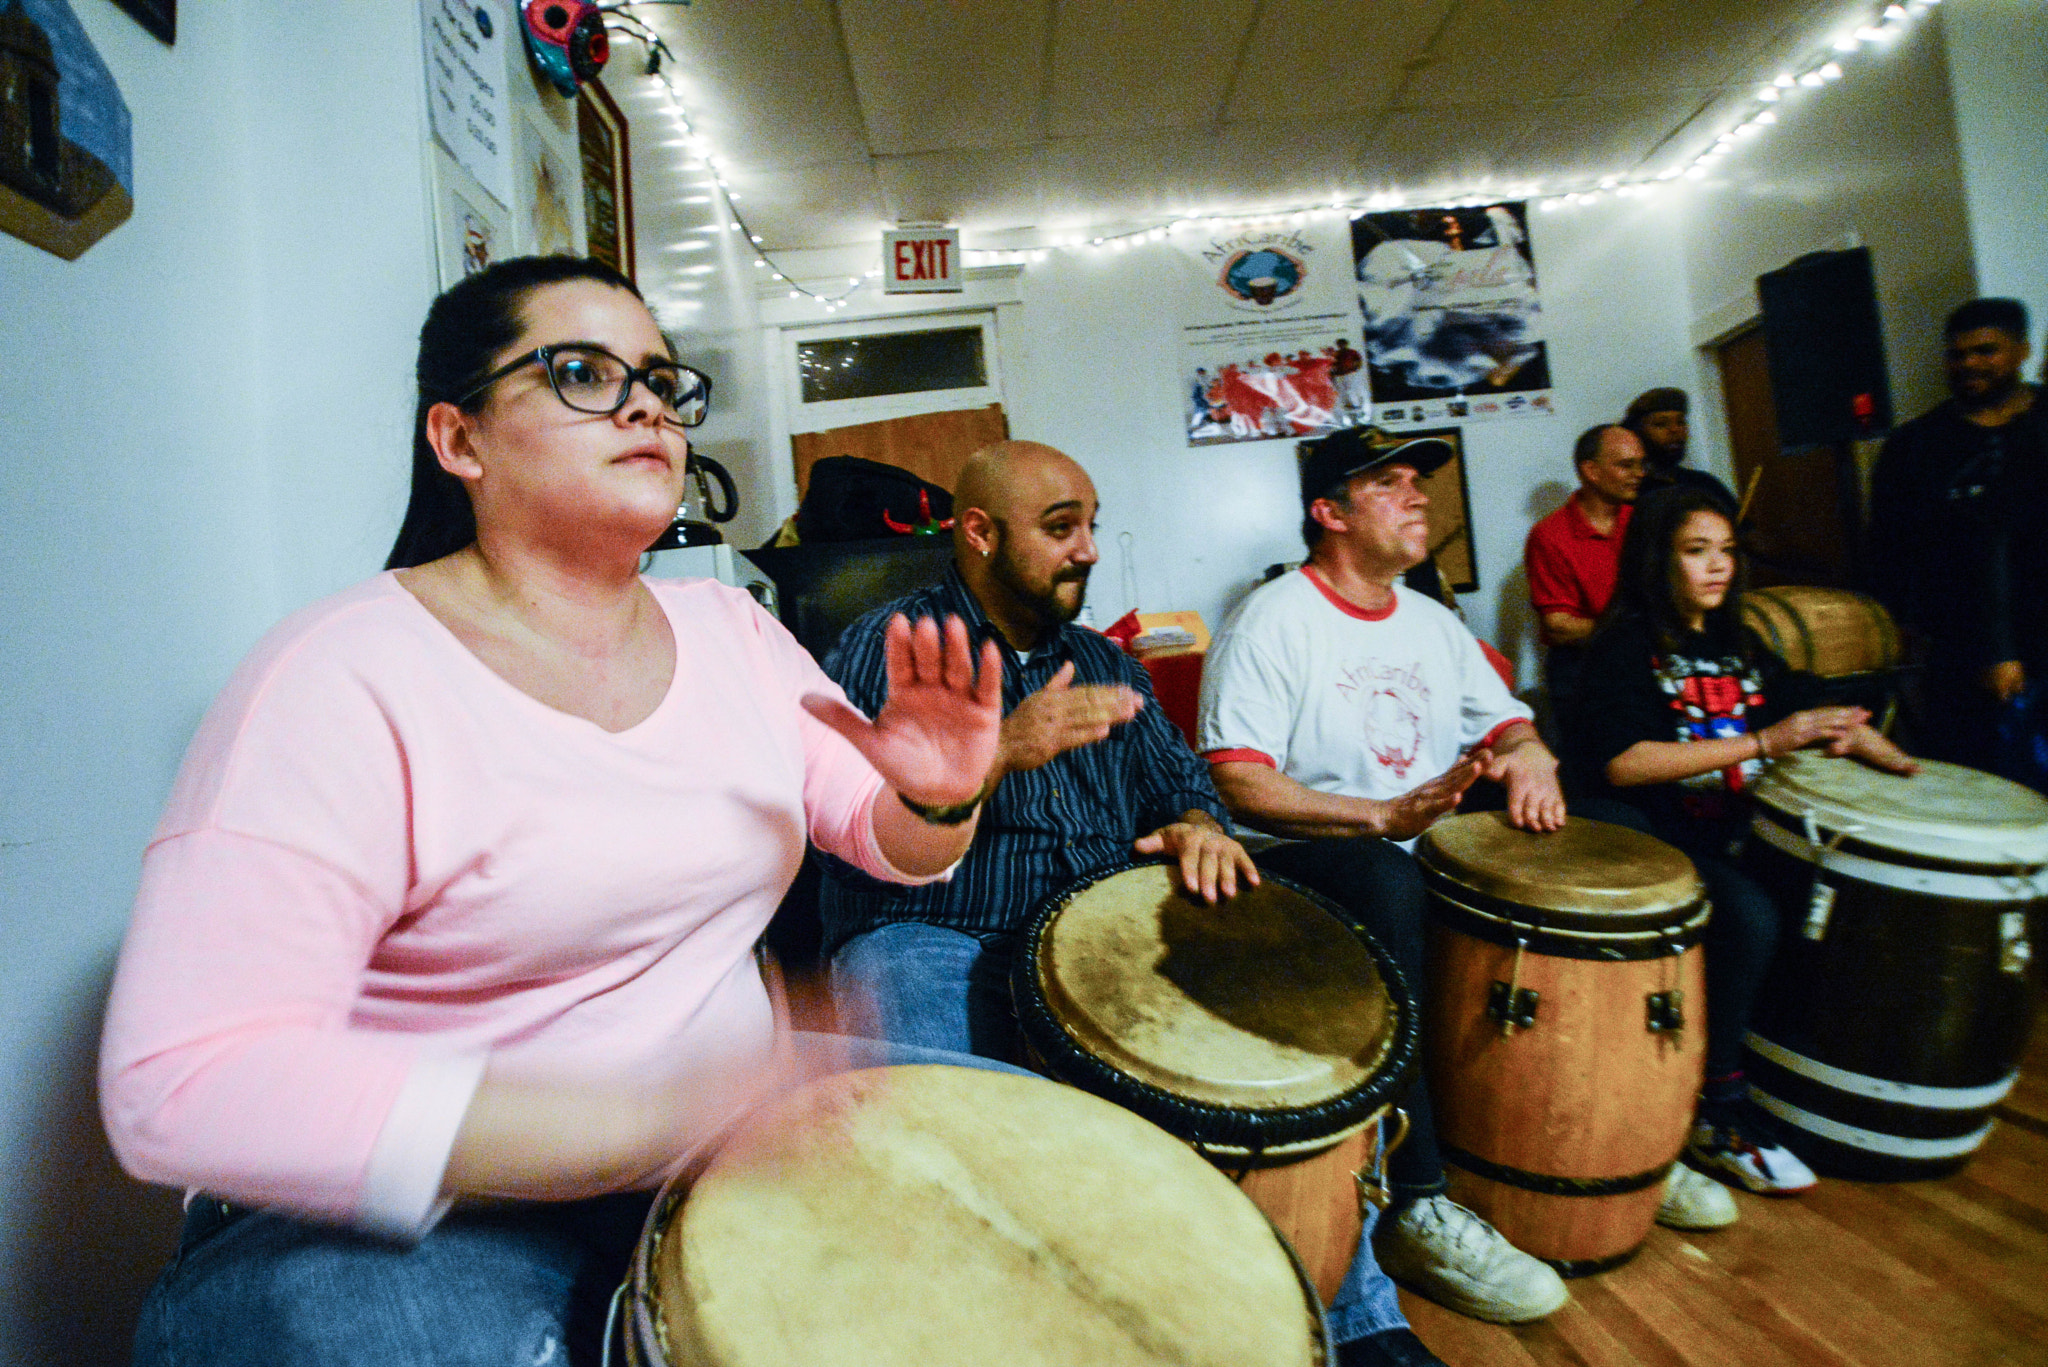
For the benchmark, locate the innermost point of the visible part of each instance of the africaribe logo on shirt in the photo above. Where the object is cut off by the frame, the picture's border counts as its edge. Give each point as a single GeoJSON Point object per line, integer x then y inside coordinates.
{"type": "Point", "coordinates": [1394, 700]}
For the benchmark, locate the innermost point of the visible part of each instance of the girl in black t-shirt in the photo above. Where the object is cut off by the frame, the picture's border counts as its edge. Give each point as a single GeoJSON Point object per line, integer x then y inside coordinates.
{"type": "Point", "coordinates": [1678, 710]}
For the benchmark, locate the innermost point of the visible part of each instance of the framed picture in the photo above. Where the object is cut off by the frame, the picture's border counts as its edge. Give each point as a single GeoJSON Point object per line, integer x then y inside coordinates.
{"type": "Point", "coordinates": [607, 179]}
{"type": "Point", "coordinates": [160, 17]}
{"type": "Point", "coordinates": [1450, 514]}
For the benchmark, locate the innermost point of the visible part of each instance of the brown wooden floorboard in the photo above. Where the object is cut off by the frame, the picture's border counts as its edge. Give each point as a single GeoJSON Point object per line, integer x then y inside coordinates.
{"type": "Point", "coordinates": [1951, 1273]}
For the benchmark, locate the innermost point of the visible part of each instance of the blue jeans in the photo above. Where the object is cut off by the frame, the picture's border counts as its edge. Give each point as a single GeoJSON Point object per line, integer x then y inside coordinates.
{"type": "Point", "coordinates": [926, 985]}
{"type": "Point", "coordinates": [523, 1283]}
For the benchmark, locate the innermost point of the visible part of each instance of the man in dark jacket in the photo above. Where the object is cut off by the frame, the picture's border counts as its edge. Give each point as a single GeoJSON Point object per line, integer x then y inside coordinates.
{"type": "Point", "coordinates": [1955, 521]}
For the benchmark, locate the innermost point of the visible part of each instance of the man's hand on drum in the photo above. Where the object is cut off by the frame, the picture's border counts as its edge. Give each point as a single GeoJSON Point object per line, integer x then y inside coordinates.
{"type": "Point", "coordinates": [1211, 863]}
{"type": "Point", "coordinates": [935, 736]}
{"type": "Point", "coordinates": [1523, 764]}
{"type": "Point", "coordinates": [1412, 813]}
{"type": "Point", "coordinates": [1060, 717]}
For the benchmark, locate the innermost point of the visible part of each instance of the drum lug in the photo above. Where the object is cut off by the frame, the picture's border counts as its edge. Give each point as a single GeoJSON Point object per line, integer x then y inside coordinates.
{"type": "Point", "coordinates": [2014, 951]}
{"type": "Point", "coordinates": [1511, 1007]}
{"type": "Point", "coordinates": [1820, 904]}
{"type": "Point", "coordinates": [1666, 1011]}
{"type": "Point", "coordinates": [1374, 1191]}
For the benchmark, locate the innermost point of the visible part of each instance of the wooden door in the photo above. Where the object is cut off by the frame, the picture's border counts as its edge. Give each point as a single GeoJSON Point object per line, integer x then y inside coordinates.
{"type": "Point", "coordinates": [931, 446]}
{"type": "Point", "coordinates": [1801, 519]}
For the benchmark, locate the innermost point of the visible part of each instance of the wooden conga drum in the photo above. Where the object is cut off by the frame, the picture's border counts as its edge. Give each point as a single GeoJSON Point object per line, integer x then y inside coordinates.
{"type": "Point", "coordinates": [1563, 1027]}
{"type": "Point", "coordinates": [955, 1217]}
{"type": "Point", "coordinates": [1904, 988]}
{"type": "Point", "coordinates": [1266, 1031]}
{"type": "Point", "coordinates": [1833, 633]}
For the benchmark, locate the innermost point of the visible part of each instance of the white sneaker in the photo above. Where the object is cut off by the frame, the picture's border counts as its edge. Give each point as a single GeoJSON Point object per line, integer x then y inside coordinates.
{"type": "Point", "coordinates": [1749, 1157]}
{"type": "Point", "coordinates": [1693, 1200]}
{"type": "Point", "coordinates": [1443, 1251]}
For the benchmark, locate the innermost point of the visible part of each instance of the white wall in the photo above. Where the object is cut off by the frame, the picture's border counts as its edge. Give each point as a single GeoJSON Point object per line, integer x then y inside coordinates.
{"type": "Point", "coordinates": [1998, 73]}
{"type": "Point", "coordinates": [207, 426]}
{"type": "Point", "coordinates": [1092, 365]}
{"type": "Point", "coordinates": [1871, 159]}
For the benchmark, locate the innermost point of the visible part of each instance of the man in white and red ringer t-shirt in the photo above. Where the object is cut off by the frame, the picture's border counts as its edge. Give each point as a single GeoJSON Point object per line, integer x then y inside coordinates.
{"type": "Point", "coordinates": [1344, 715]}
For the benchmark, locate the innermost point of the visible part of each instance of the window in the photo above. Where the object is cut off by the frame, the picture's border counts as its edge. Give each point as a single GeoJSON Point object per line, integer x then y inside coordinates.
{"type": "Point", "coordinates": [869, 367]}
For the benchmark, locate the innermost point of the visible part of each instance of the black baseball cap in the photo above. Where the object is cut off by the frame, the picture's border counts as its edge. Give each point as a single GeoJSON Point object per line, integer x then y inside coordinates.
{"type": "Point", "coordinates": [1327, 463]}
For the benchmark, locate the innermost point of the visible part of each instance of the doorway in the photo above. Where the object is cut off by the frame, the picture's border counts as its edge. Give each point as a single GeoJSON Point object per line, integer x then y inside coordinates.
{"type": "Point", "coordinates": [1802, 505]}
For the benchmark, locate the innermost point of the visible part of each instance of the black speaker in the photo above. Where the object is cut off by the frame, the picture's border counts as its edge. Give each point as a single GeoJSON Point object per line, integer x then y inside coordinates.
{"type": "Point", "coordinates": [1825, 349]}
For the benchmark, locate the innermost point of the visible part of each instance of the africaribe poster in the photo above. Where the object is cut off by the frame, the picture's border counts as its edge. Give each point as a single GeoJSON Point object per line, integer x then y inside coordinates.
{"type": "Point", "coordinates": [1454, 328]}
{"type": "Point", "coordinates": [1269, 337]}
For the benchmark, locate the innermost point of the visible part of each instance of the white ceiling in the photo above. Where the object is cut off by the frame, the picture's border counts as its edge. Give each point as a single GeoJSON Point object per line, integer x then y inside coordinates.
{"type": "Point", "coordinates": [1028, 121]}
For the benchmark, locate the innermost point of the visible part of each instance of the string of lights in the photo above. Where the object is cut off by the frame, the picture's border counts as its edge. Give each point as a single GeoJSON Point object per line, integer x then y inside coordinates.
{"type": "Point", "coordinates": [1759, 113]}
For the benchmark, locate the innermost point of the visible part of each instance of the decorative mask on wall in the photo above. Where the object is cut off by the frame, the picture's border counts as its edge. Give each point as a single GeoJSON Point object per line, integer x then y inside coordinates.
{"type": "Point", "coordinates": [567, 41]}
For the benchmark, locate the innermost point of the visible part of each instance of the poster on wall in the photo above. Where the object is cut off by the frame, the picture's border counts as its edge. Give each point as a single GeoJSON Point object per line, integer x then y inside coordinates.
{"type": "Point", "coordinates": [1454, 328]}
{"type": "Point", "coordinates": [469, 96]}
{"type": "Point", "coordinates": [1268, 325]}
{"type": "Point", "coordinates": [471, 230]}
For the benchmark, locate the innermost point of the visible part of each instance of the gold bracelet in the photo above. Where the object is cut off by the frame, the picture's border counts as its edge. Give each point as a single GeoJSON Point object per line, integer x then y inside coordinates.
{"type": "Point", "coordinates": [1762, 754]}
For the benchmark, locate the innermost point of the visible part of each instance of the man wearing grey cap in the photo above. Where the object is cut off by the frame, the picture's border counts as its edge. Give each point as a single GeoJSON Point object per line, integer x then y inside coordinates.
{"type": "Point", "coordinates": [1345, 714]}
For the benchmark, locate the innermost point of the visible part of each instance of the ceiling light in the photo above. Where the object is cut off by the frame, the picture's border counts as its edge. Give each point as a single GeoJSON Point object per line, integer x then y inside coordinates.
{"type": "Point", "coordinates": [1696, 173]}
{"type": "Point", "coordinates": [1782, 81]}
{"type": "Point", "coordinates": [1848, 42]}
{"type": "Point", "coordinates": [1831, 72]}
{"type": "Point", "coordinates": [1769, 94]}
{"type": "Point", "coordinates": [1766, 116]}
{"type": "Point", "coordinates": [1811, 80]}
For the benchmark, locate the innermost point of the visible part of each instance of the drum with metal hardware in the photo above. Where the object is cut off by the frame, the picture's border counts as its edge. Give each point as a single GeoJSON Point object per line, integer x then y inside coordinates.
{"type": "Point", "coordinates": [954, 1217]}
{"type": "Point", "coordinates": [1833, 633]}
{"type": "Point", "coordinates": [1266, 1031]}
{"type": "Point", "coordinates": [1903, 991]}
{"type": "Point", "coordinates": [1564, 1027]}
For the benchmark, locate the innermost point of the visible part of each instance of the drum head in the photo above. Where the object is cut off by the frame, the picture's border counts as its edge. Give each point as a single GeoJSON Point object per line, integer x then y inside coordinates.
{"type": "Point", "coordinates": [951, 1217]}
{"type": "Point", "coordinates": [1591, 876]}
{"type": "Point", "coordinates": [1260, 1022]}
{"type": "Point", "coordinates": [1943, 812]}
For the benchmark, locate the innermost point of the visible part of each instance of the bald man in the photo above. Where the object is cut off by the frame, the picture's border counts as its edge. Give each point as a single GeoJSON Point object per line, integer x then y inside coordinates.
{"type": "Point", "coordinates": [932, 963]}
{"type": "Point", "coordinates": [1089, 773]}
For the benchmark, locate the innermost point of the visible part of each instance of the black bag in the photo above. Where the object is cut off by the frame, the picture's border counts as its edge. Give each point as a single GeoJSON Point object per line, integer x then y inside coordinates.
{"type": "Point", "coordinates": [851, 499]}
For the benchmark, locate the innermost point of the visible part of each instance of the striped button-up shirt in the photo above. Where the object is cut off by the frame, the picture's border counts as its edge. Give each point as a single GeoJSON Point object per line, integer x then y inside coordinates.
{"type": "Point", "coordinates": [1042, 829]}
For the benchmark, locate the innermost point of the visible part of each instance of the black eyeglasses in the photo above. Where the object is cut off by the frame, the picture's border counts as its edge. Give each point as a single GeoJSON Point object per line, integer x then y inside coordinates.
{"type": "Point", "coordinates": [590, 379]}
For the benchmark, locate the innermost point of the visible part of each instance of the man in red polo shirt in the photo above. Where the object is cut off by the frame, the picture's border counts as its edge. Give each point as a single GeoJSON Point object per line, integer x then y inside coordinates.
{"type": "Point", "coordinates": [1573, 554]}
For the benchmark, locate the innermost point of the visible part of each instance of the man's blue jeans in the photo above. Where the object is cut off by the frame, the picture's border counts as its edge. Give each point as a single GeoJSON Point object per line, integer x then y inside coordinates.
{"type": "Point", "coordinates": [523, 1283]}
{"type": "Point", "coordinates": [945, 989]}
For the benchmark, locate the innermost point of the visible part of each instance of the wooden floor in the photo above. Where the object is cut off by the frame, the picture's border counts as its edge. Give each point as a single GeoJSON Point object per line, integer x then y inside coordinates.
{"type": "Point", "coordinates": [1851, 1274]}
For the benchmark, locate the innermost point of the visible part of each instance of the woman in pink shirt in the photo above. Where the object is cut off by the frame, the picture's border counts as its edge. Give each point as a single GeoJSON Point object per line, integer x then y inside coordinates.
{"type": "Point", "coordinates": [442, 955]}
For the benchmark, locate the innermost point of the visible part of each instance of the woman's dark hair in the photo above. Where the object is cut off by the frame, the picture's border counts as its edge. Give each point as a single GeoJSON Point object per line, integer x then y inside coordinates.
{"type": "Point", "coordinates": [465, 330]}
{"type": "Point", "coordinates": [1642, 586]}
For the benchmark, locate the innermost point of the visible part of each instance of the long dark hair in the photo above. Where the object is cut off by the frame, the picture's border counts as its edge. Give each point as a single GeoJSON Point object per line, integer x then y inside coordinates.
{"type": "Point", "coordinates": [466, 328]}
{"type": "Point", "coordinates": [1643, 589]}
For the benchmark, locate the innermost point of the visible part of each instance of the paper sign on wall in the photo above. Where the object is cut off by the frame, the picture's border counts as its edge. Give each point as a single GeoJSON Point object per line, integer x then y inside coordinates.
{"type": "Point", "coordinates": [467, 90]}
{"type": "Point", "coordinates": [1267, 325]}
{"type": "Point", "coordinates": [921, 261]}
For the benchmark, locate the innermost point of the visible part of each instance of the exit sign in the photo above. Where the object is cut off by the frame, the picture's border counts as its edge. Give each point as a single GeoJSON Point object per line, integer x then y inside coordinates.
{"type": "Point", "coordinates": [921, 261]}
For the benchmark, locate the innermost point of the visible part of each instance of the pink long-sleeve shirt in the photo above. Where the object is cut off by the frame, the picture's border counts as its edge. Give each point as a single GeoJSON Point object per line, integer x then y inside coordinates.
{"type": "Point", "coordinates": [383, 865]}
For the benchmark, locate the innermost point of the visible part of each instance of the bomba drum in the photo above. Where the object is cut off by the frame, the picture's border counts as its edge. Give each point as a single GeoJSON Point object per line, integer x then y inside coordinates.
{"type": "Point", "coordinates": [1833, 633]}
{"type": "Point", "coordinates": [1901, 997]}
{"type": "Point", "coordinates": [1564, 1027]}
{"type": "Point", "coordinates": [1265, 1030]}
{"type": "Point", "coordinates": [954, 1217]}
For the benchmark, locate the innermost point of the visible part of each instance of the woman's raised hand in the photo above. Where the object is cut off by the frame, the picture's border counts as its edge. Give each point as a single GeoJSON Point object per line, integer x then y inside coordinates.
{"type": "Point", "coordinates": [935, 737]}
